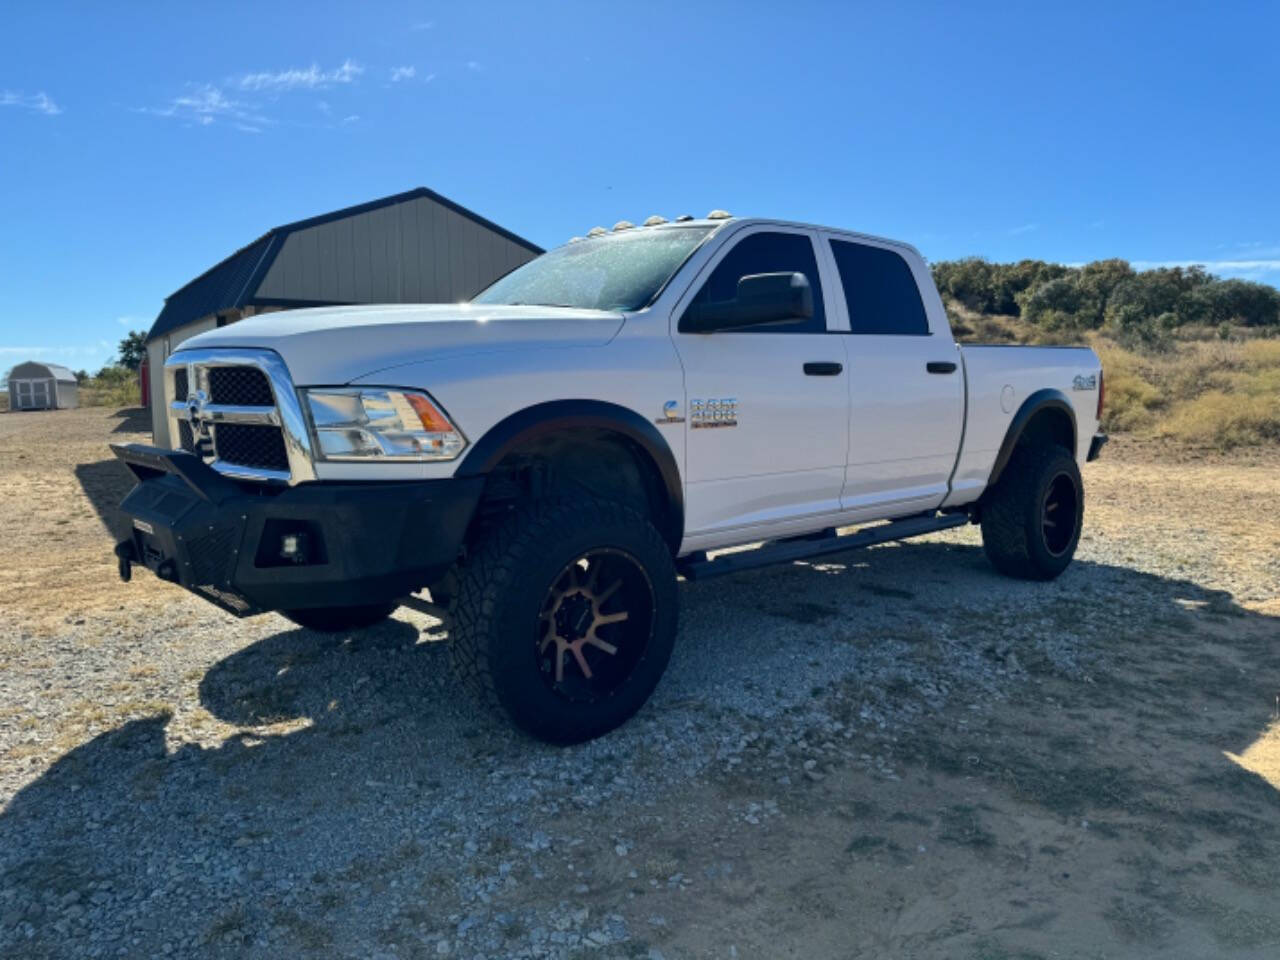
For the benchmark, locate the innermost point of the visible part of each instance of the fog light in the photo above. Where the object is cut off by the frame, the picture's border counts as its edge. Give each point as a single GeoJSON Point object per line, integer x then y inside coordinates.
{"type": "Point", "coordinates": [293, 547]}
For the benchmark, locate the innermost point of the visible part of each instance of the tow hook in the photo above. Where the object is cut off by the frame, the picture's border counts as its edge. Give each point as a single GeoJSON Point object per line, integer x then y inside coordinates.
{"type": "Point", "coordinates": [126, 555]}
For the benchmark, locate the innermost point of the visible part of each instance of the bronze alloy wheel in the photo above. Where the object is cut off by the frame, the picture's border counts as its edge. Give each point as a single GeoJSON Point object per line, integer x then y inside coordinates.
{"type": "Point", "coordinates": [1058, 514]}
{"type": "Point", "coordinates": [594, 626]}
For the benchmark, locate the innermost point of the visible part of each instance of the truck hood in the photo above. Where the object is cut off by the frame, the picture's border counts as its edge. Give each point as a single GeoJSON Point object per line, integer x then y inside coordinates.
{"type": "Point", "coordinates": [333, 345]}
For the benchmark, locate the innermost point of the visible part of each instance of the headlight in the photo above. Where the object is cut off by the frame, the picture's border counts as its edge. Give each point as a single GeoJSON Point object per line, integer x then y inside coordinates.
{"type": "Point", "coordinates": [378, 423]}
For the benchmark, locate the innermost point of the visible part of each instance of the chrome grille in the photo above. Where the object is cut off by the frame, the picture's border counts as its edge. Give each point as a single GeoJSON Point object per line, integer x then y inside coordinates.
{"type": "Point", "coordinates": [240, 386]}
{"type": "Point", "coordinates": [250, 446]}
{"type": "Point", "coordinates": [238, 411]}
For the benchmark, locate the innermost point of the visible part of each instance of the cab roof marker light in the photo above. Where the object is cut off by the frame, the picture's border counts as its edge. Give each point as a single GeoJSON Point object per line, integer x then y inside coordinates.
{"type": "Point", "coordinates": [623, 225]}
{"type": "Point", "coordinates": [684, 218]}
{"type": "Point", "coordinates": [654, 221]}
{"type": "Point", "coordinates": [576, 239]}
{"type": "Point", "coordinates": [597, 232]}
{"type": "Point", "coordinates": [718, 214]}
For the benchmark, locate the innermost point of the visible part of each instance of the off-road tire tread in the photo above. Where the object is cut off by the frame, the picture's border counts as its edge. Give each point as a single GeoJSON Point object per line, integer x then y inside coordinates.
{"type": "Point", "coordinates": [1005, 536]}
{"type": "Point", "coordinates": [502, 555]}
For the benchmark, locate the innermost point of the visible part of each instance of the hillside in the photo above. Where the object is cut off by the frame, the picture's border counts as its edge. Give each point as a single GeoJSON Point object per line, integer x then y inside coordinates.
{"type": "Point", "coordinates": [1188, 357]}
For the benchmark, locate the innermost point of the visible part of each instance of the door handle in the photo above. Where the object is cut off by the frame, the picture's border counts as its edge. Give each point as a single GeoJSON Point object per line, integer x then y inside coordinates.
{"type": "Point", "coordinates": [940, 366]}
{"type": "Point", "coordinates": [823, 369]}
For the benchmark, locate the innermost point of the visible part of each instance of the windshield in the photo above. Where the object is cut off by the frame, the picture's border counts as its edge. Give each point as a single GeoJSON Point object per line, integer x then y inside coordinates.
{"type": "Point", "coordinates": [620, 271]}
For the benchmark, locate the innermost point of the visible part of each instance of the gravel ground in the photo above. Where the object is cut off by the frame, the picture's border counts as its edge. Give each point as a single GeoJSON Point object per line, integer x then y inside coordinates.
{"type": "Point", "coordinates": [895, 752]}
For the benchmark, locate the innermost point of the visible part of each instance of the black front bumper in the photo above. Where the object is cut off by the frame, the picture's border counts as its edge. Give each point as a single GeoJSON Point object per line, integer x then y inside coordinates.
{"type": "Point", "coordinates": [357, 543]}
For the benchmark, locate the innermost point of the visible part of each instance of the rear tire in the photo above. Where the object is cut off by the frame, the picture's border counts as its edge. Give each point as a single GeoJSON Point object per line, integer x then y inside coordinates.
{"type": "Point", "coordinates": [565, 617]}
{"type": "Point", "coordinates": [1031, 518]}
{"type": "Point", "coordinates": [340, 619]}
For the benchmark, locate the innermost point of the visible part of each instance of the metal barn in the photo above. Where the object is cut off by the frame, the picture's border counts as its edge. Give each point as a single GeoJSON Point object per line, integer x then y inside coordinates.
{"type": "Point", "coordinates": [414, 247]}
{"type": "Point", "coordinates": [42, 386]}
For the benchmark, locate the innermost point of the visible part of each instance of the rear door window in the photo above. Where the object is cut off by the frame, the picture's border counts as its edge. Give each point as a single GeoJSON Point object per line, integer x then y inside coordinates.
{"type": "Point", "coordinates": [879, 290]}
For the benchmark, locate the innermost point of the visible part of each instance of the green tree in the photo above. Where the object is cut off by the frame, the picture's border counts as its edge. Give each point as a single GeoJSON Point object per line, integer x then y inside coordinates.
{"type": "Point", "coordinates": [1239, 301]}
{"type": "Point", "coordinates": [133, 349]}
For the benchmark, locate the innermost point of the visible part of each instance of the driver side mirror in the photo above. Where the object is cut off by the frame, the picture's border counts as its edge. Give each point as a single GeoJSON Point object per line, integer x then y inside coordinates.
{"type": "Point", "coordinates": [761, 299]}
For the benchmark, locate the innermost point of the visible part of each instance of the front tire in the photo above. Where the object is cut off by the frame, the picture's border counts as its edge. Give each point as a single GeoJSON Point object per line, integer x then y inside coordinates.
{"type": "Point", "coordinates": [340, 619]}
{"type": "Point", "coordinates": [565, 617]}
{"type": "Point", "coordinates": [1032, 517]}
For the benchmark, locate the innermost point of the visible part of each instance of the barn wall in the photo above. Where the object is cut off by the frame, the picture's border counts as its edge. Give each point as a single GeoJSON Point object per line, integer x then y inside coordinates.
{"type": "Point", "coordinates": [68, 395]}
{"type": "Point", "coordinates": [158, 351]}
{"type": "Point", "coordinates": [418, 251]}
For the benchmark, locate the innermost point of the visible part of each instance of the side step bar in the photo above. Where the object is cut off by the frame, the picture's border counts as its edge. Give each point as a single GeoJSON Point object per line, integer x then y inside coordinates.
{"type": "Point", "coordinates": [697, 567]}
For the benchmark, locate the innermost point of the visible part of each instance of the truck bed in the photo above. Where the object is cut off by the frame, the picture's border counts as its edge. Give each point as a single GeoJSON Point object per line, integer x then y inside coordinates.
{"type": "Point", "coordinates": [998, 380]}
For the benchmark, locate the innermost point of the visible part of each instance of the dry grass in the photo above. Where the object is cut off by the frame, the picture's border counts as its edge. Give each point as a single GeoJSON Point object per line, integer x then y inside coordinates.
{"type": "Point", "coordinates": [1202, 390]}
{"type": "Point", "coordinates": [1222, 393]}
{"type": "Point", "coordinates": [1226, 420]}
{"type": "Point", "coordinates": [110, 393]}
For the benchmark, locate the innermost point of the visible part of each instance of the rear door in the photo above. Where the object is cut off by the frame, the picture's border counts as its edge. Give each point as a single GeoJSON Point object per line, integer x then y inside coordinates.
{"type": "Point", "coordinates": [906, 387]}
{"type": "Point", "coordinates": [766, 408]}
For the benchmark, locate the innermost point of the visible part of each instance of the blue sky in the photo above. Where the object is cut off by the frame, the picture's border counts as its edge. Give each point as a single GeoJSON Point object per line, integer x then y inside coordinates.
{"type": "Point", "coordinates": [141, 143]}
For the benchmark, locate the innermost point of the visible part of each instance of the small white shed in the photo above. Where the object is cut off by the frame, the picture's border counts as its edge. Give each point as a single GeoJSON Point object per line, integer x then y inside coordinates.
{"type": "Point", "coordinates": [42, 386]}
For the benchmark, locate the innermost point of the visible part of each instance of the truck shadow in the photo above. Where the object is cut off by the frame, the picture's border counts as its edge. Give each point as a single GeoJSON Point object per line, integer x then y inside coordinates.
{"type": "Point", "coordinates": [105, 483]}
{"type": "Point", "coordinates": [132, 420]}
{"type": "Point", "coordinates": [346, 746]}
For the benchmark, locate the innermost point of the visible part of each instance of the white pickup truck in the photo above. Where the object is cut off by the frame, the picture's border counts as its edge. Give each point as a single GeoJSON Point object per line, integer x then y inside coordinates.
{"type": "Point", "coordinates": [546, 459]}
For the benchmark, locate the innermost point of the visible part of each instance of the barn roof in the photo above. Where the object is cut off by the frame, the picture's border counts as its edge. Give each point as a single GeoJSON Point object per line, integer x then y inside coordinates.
{"type": "Point", "coordinates": [233, 283]}
{"type": "Point", "coordinates": [37, 370]}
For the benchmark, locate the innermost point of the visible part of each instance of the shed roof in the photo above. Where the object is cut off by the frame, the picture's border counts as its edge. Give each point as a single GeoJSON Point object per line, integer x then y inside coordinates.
{"type": "Point", "coordinates": [232, 283]}
{"type": "Point", "coordinates": [36, 370]}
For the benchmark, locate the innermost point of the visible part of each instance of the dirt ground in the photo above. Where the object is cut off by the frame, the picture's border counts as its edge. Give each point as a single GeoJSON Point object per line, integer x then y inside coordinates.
{"type": "Point", "coordinates": [967, 767]}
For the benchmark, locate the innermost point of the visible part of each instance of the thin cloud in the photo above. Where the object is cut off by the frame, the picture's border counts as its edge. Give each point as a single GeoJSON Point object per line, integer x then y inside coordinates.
{"type": "Point", "coordinates": [1213, 266]}
{"type": "Point", "coordinates": [422, 25]}
{"type": "Point", "coordinates": [44, 351]}
{"type": "Point", "coordinates": [1025, 228]}
{"type": "Point", "coordinates": [403, 73]}
{"type": "Point", "coordinates": [39, 102]}
{"type": "Point", "coordinates": [475, 66]}
{"type": "Point", "coordinates": [205, 104]}
{"type": "Point", "coordinates": [354, 118]}
{"type": "Point", "coordinates": [309, 78]}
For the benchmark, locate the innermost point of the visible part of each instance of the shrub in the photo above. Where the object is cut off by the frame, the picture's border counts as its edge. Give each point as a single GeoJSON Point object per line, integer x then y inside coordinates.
{"type": "Point", "coordinates": [1239, 301]}
{"type": "Point", "coordinates": [113, 387]}
{"type": "Point", "coordinates": [1136, 329]}
{"type": "Point", "coordinates": [1055, 304]}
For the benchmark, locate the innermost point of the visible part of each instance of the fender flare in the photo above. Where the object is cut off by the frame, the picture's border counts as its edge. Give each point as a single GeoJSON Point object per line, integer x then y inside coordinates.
{"type": "Point", "coordinates": [561, 416]}
{"type": "Point", "coordinates": [1045, 399]}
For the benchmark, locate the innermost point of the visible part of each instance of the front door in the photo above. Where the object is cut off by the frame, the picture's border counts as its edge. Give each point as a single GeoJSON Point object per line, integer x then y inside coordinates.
{"type": "Point", "coordinates": [40, 395]}
{"type": "Point", "coordinates": [766, 407]}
